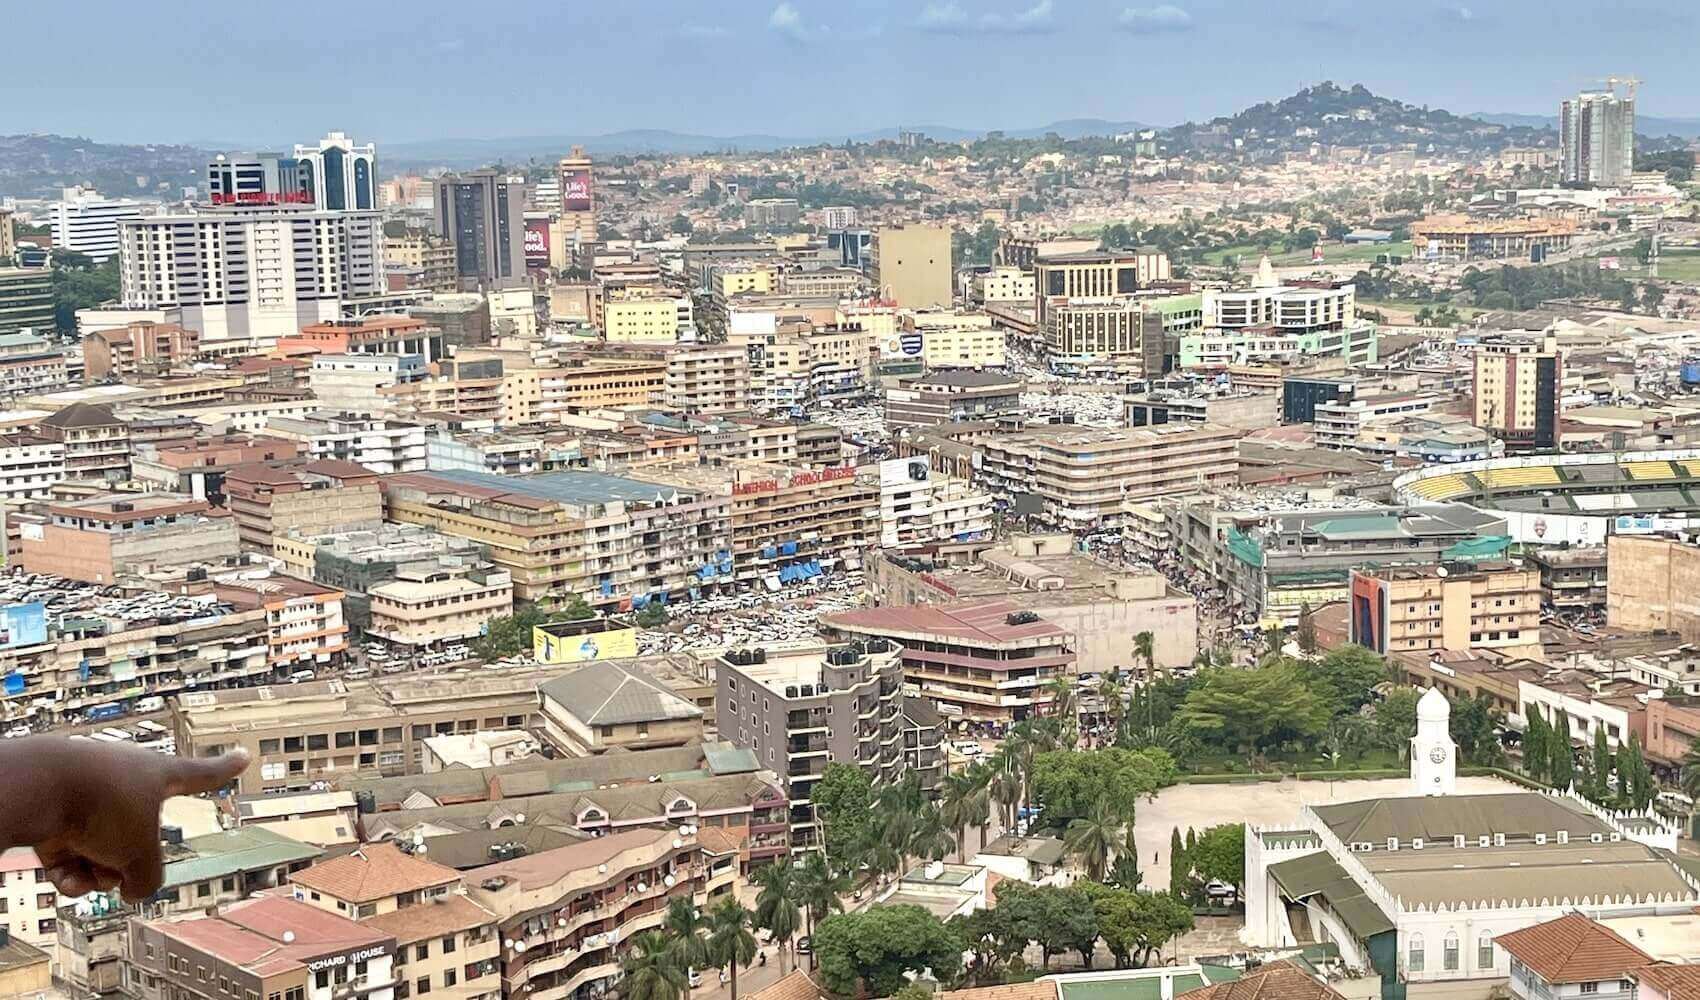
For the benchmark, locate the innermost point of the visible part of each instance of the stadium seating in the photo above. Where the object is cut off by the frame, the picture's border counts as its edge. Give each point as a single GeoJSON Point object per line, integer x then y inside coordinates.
{"type": "Point", "coordinates": [1642, 471]}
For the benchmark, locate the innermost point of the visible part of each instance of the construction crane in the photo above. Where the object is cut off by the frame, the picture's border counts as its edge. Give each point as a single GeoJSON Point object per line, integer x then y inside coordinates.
{"type": "Point", "coordinates": [1611, 82]}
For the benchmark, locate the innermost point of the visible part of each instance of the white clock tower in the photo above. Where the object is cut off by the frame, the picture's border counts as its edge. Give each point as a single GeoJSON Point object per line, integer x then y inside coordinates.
{"type": "Point", "coordinates": [1434, 757]}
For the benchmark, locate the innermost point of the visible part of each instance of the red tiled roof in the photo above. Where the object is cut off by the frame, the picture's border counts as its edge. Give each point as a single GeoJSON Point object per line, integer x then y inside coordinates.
{"type": "Point", "coordinates": [970, 621]}
{"type": "Point", "coordinates": [376, 871]}
{"type": "Point", "coordinates": [1573, 949]}
{"type": "Point", "coordinates": [1274, 981]}
{"type": "Point", "coordinates": [796, 985]}
{"type": "Point", "coordinates": [1676, 982]}
{"type": "Point", "coordinates": [436, 918]}
{"type": "Point", "coordinates": [1039, 989]}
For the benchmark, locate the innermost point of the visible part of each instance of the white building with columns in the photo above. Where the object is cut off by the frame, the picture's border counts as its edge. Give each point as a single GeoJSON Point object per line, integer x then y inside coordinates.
{"type": "Point", "coordinates": [1415, 887]}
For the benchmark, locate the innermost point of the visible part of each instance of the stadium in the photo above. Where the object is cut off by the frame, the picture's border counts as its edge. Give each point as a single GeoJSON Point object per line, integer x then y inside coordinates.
{"type": "Point", "coordinates": [1579, 499]}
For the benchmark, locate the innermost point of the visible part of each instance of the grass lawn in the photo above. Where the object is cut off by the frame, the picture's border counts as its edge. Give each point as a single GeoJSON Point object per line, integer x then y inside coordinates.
{"type": "Point", "coordinates": [1338, 253]}
{"type": "Point", "coordinates": [1365, 760]}
{"type": "Point", "coordinates": [1680, 266]}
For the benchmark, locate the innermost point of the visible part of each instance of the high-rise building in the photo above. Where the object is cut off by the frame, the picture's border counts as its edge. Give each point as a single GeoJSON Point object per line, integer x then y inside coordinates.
{"type": "Point", "coordinates": [251, 272]}
{"type": "Point", "coordinates": [84, 222]}
{"type": "Point", "coordinates": [1596, 132]}
{"type": "Point", "coordinates": [26, 300]}
{"type": "Point", "coordinates": [1094, 274]}
{"type": "Point", "coordinates": [335, 175]}
{"type": "Point", "coordinates": [911, 265]}
{"type": "Point", "coordinates": [1518, 384]}
{"type": "Point", "coordinates": [341, 175]}
{"type": "Point", "coordinates": [483, 213]}
{"type": "Point", "coordinates": [578, 195]}
{"type": "Point", "coordinates": [8, 238]}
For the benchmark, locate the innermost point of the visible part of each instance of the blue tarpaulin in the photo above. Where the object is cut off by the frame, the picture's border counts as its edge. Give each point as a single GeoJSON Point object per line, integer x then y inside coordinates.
{"type": "Point", "coordinates": [14, 683]}
{"type": "Point", "coordinates": [768, 552]}
{"type": "Point", "coordinates": [607, 587]}
{"type": "Point", "coordinates": [788, 548]}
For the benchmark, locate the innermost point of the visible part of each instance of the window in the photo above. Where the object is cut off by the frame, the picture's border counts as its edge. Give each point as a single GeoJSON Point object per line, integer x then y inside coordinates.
{"type": "Point", "coordinates": [1449, 953]}
{"type": "Point", "coordinates": [203, 890]}
{"type": "Point", "coordinates": [345, 740]}
{"type": "Point", "coordinates": [422, 986]}
{"type": "Point", "coordinates": [268, 747]}
{"type": "Point", "coordinates": [1415, 955]}
{"type": "Point", "coordinates": [421, 952]}
{"type": "Point", "coordinates": [1484, 952]}
{"type": "Point", "coordinates": [322, 979]}
{"type": "Point", "coordinates": [1588, 988]}
{"type": "Point", "coordinates": [295, 993]}
{"type": "Point", "coordinates": [448, 977]}
{"type": "Point", "coordinates": [229, 885]}
{"type": "Point", "coordinates": [449, 945]}
{"type": "Point", "coordinates": [318, 741]}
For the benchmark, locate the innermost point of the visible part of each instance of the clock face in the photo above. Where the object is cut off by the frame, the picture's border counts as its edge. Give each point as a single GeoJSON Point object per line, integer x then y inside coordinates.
{"type": "Point", "coordinates": [1437, 754]}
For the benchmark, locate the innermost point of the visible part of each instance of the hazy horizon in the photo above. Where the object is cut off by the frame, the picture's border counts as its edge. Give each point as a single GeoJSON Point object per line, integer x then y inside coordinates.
{"type": "Point", "coordinates": [803, 68]}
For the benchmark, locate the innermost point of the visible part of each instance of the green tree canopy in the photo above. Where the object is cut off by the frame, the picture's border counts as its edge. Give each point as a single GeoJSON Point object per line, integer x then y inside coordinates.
{"type": "Point", "coordinates": [875, 948]}
{"type": "Point", "coordinates": [1219, 854]}
{"type": "Point", "coordinates": [1068, 783]}
{"type": "Point", "coordinates": [843, 799]}
{"type": "Point", "coordinates": [1346, 676]}
{"type": "Point", "coordinates": [1252, 710]}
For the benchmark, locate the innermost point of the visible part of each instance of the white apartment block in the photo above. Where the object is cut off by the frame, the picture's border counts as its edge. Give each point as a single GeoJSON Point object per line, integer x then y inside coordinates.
{"type": "Point", "coordinates": [245, 273]}
{"type": "Point", "coordinates": [918, 505]}
{"type": "Point", "coordinates": [86, 223]}
{"type": "Point", "coordinates": [29, 466]}
{"type": "Point", "coordinates": [384, 446]}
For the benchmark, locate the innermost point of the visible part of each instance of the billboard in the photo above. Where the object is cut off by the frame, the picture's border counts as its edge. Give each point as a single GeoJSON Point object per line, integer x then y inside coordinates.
{"type": "Point", "coordinates": [23, 625]}
{"type": "Point", "coordinates": [575, 190]}
{"type": "Point", "coordinates": [577, 645]}
{"type": "Point", "coordinates": [536, 243]}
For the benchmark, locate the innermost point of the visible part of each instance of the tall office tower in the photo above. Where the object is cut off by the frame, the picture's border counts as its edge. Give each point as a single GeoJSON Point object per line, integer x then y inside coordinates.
{"type": "Point", "coordinates": [250, 272]}
{"type": "Point", "coordinates": [335, 175]}
{"type": "Point", "coordinates": [344, 176]}
{"type": "Point", "coordinates": [1519, 382]}
{"type": "Point", "coordinates": [259, 179]}
{"type": "Point", "coordinates": [84, 222]}
{"type": "Point", "coordinates": [911, 265]}
{"type": "Point", "coordinates": [1596, 132]}
{"type": "Point", "coordinates": [483, 213]}
{"type": "Point", "coordinates": [578, 196]}
{"type": "Point", "coordinates": [8, 238]}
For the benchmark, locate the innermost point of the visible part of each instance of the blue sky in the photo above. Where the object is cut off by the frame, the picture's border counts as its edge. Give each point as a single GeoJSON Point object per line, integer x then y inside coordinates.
{"type": "Point", "coordinates": [199, 71]}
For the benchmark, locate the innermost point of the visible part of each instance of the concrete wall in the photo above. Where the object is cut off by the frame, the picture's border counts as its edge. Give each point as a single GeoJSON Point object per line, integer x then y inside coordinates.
{"type": "Point", "coordinates": [1653, 583]}
{"type": "Point", "coordinates": [1104, 630]}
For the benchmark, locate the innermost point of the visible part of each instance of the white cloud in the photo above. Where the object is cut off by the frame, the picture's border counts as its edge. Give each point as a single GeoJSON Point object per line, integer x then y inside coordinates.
{"type": "Point", "coordinates": [788, 21]}
{"type": "Point", "coordinates": [949, 18]}
{"type": "Point", "coordinates": [1159, 20]}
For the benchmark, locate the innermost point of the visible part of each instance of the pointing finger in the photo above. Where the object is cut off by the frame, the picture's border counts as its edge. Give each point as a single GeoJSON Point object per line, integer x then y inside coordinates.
{"type": "Point", "coordinates": [144, 875]}
{"type": "Point", "coordinates": [194, 775]}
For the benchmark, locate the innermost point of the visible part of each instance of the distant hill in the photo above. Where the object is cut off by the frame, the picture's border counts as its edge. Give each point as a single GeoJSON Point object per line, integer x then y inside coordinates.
{"type": "Point", "coordinates": [459, 152]}
{"type": "Point", "coordinates": [1349, 116]}
{"type": "Point", "coordinates": [1648, 125]}
{"type": "Point", "coordinates": [38, 165]}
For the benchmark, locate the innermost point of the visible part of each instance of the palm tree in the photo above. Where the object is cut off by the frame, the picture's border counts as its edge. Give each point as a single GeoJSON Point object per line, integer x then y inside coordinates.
{"type": "Point", "coordinates": [686, 927]}
{"type": "Point", "coordinates": [1092, 838]}
{"type": "Point", "coordinates": [899, 810]}
{"type": "Point", "coordinates": [651, 969]}
{"type": "Point", "coordinates": [1005, 784]}
{"type": "Point", "coordinates": [777, 911]}
{"type": "Point", "coordinates": [730, 943]}
{"type": "Point", "coordinates": [1691, 771]}
{"type": "Point", "coordinates": [931, 838]}
{"type": "Point", "coordinates": [1145, 648]}
{"type": "Point", "coordinates": [964, 802]}
{"type": "Point", "coordinates": [1110, 695]}
{"type": "Point", "coordinates": [818, 888]}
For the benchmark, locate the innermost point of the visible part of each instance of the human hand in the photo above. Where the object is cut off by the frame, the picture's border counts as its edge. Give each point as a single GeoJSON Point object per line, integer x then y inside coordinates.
{"type": "Point", "coordinates": [91, 810]}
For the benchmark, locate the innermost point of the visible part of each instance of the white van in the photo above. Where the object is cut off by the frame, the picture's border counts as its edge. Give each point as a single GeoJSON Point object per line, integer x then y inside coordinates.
{"type": "Point", "coordinates": [301, 675]}
{"type": "Point", "coordinates": [152, 703]}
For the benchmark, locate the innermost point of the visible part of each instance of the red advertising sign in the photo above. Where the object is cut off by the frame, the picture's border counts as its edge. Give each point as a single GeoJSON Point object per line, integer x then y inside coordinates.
{"type": "Point", "coordinates": [262, 198]}
{"type": "Point", "coordinates": [826, 475]}
{"type": "Point", "coordinates": [575, 190]}
{"type": "Point", "coordinates": [537, 243]}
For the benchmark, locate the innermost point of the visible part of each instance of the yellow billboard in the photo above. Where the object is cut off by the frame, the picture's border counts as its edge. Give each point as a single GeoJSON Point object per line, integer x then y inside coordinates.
{"type": "Point", "coordinates": [582, 642]}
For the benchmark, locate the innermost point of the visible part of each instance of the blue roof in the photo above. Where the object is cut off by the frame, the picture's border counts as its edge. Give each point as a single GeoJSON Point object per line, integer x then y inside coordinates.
{"type": "Point", "coordinates": [572, 486]}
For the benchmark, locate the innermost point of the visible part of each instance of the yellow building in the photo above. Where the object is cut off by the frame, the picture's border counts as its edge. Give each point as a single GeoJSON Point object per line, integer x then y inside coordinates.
{"type": "Point", "coordinates": [1431, 608]}
{"type": "Point", "coordinates": [641, 320]}
{"type": "Point", "coordinates": [742, 279]}
{"type": "Point", "coordinates": [544, 395]}
{"type": "Point", "coordinates": [583, 641]}
{"type": "Point", "coordinates": [911, 265]}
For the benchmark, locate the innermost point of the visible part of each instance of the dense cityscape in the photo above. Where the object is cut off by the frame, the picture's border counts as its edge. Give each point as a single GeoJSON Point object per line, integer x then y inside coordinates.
{"type": "Point", "coordinates": [1242, 559]}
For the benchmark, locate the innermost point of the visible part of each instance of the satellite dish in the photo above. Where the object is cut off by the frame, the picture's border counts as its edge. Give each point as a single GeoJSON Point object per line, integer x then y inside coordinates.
{"type": "Point", "coordinates": [1440, 571]}
{"type": "Point", "coordinates": [288, 937]}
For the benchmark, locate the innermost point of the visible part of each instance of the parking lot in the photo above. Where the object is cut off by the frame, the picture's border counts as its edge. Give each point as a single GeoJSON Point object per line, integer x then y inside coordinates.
{"type": "Point", "coordinates": [739, 619]}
